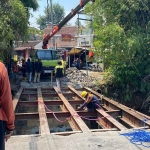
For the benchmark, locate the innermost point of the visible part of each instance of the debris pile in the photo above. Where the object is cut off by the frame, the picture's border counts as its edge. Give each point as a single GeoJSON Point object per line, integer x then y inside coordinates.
{"type": "Point", "coordinates": [76, 76]}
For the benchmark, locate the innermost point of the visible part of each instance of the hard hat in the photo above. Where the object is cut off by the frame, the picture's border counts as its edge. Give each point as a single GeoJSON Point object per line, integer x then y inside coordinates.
{"type": "Point", "coordinates": [84, 93]}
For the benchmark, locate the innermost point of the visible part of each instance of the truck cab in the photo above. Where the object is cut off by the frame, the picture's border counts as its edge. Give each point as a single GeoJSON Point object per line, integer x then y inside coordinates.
{"type": "Point", "coordinates": [49, 59]}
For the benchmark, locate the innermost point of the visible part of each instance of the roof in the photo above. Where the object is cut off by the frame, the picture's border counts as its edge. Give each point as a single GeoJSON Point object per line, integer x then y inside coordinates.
{"type": "Point", "coordinates": [26, 45]}
{"type": "Point", "coordinates": [73, 30]}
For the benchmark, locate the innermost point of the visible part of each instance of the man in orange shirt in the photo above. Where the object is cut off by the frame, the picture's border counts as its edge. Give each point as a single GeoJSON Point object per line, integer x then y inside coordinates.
{"type": "Point", "coordinates": [7, 116]}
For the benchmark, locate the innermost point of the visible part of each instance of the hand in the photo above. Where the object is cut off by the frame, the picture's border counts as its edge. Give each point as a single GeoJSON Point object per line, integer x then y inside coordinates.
{"type": "Point", "coordinates": [7, 136]}
{"type": "Point", "coordinates": [78, 108]}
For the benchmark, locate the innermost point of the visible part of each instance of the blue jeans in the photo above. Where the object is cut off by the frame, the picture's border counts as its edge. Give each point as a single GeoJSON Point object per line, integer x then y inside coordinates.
{"type": "Point", "coordinates": [29, 76]}
{"type": "Point", "coordinates": [59, 82]}
{"type": "Point", "coordinates": [2, 135]}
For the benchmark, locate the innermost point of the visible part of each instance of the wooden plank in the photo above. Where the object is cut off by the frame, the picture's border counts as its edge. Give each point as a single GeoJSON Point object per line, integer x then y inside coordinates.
{"type": "Point", "coordinates": [44, 127]}
{"type": "Point", "coordinates": [110, 121]}
{"type": "Point", "coordinates": [132, 113]}
{"type": "Point", "coordinates": [16, 99]}
{"type": "Point", "coordinates": [66, 133]}
{"type": "Point", "coordinates": [104, 130]}
{"type": "Point", "coordinates": [71, 122]}
{"type": "Point", "coordinates": [77, 120]}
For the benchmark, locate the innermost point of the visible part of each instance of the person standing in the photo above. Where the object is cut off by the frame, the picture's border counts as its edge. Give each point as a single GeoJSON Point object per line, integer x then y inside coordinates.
{"type": "Point", "coordinates": [59, 73]}
{"type": "Point", "coordinates": [24, 69]}
{"type": "Point", "coordinates": [64, 65]}
{"type": "Point", "coordinates": [7, 116]}
{"type": "Point", "coordinates": [15, 71]}
{"type": "Point", "coordinates": [38, 70]}
{"type": "Point", "coordinates": [29, 69]}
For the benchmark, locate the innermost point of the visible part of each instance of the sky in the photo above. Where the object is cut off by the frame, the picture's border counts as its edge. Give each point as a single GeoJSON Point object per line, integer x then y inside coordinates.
{"type": "Point", "coordinates": [67, 4]}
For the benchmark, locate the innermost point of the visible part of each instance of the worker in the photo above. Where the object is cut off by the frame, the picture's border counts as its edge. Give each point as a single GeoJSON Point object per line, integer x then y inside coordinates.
{"type": "Point", "coordinates": [59, 74]}
{"type": "Point", "coordinates": [29, 69]}
{"type": "Point", "coordinates": [7, 116]}
{"type": "Point", "coordinates": [38, 70]}
{"type": "Point", "coordinates": [15, 71]}
{"type": "Point", "coordinates": [24, 69]}
{"type": "Point", "coordinates": [63, 61]}
{"type": "Point", "coordinates": [91, 102]}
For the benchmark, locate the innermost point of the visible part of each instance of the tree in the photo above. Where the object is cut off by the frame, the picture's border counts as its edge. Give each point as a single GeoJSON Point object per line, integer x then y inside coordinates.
{"type": "Point", "coordinates": [13, 25]}
{"type": "Point", "coordinates": [58, 15]}
{"type": "Point", "coordinates": [30, 4]}
{"type": "Point", "coordinates": [122, 38]}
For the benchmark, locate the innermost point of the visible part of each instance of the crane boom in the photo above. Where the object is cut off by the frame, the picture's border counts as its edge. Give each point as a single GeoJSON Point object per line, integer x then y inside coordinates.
{"type": "Point", "coordinates": [64, 21]}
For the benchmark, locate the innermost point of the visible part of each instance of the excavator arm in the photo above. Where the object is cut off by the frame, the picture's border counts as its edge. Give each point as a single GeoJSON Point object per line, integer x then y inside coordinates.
{"type": "Point", "coordinates": [64, 21]}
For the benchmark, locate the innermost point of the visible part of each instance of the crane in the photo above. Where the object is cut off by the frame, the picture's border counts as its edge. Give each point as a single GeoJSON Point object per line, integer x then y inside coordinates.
{"type": "Point", "coordinates": [64, 21]}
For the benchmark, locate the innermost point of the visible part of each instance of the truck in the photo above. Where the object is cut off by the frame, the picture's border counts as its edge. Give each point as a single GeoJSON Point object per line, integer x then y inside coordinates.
{"type": "Point", "coordinates": [49, 59]}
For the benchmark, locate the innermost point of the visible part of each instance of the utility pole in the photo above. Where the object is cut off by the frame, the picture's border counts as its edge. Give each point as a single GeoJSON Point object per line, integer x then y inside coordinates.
{"type": "Point", "coordinates": [52, 23]}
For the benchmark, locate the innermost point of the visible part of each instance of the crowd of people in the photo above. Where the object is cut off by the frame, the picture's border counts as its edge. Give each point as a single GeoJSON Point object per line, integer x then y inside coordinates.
{"type": "Point", "coordinates": [27, 69]}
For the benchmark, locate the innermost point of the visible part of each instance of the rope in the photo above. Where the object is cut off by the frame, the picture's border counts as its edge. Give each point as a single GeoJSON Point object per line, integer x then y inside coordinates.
{"type": "Point", "coordinates": [67, 119]}
{"type": "Point", "coordinates": [139, 137]}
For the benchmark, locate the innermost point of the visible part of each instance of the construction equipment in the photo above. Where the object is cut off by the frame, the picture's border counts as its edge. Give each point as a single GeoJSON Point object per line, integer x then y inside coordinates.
{"type": "Point", "coordinates": [64, 21]}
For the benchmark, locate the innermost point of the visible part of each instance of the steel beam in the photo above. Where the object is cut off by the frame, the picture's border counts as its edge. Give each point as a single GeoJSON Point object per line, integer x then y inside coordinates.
{"type": "Point", "coordinates": [35, 115]}
{"type": "Point", "coordinates": [108, 121]}
{"type": "Point", "coordinates": [16, 99]}
{"type": "Point", "coordinates": [77, 120]}
{"type": "Point", "coordinates": [44, 127]}
{"type": "Point", "coordinates": [114, 113]}
{"type": "Point", "coordinates": [128, 114]}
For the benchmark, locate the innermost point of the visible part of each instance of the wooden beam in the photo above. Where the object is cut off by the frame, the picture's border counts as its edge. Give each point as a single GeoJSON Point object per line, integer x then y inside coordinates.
{"type": "Point", "coordinates": [44, 127]}
{"type": "Point", "coordinates": [108, 121]}
{"type": "Point", "coordinates": [16, 99]}
{"type": "Point", "coordinates": [71, 122]}
{"type": "Point", "coordinates": [66, 133]}
{"type": "Point", "coordinates": [77, 120]}
{"type": "Point", "coordinates": [104, 130]}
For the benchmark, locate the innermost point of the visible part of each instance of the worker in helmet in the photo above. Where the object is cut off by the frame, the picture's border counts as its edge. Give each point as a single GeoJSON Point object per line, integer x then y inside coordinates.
{"type": "Point", "coordinates": [91, 102]}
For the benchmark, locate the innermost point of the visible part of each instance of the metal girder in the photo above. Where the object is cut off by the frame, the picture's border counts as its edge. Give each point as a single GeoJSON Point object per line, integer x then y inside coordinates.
{"type": "Point", "coordinates": [108, 121]}
{"type": "Point", "coordinates": [48, 102]}
{"type": "Point", "coordinates": [55, 94]}
{"type": "Point", "coordinates": [16, 99]}
{"type": "Point", "coordinates": [114, 113]}
{"type": "Point", "coordinates": [129, 115]}
{"type": "Point", "coordinates": [23, 116]}
{"type": "Point", "coordinates": [77, 120]}
{"type": "Point", "coordinates": [44, 127]}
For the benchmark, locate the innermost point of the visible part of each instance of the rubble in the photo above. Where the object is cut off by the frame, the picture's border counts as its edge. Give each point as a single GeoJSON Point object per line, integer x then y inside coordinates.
{"type": "Point", "coordinates": [76, 76]}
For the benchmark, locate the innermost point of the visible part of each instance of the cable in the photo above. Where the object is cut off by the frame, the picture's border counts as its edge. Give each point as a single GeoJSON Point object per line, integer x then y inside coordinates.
{"type": "Point", "coordinates": [138, 137]}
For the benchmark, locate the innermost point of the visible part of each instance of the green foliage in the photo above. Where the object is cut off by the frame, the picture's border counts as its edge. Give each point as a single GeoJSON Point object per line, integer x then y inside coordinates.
{"type": "Point", "coordinates": [122, 35]}
{"type": "Point", "coordinates": [58, 15]}
{"type": "Point", "coordinates": [30, 4]}
{"type": "Point", "coordinates": [13, 25]}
